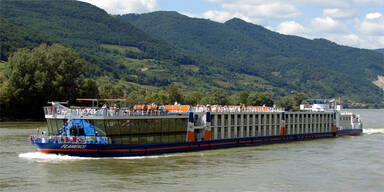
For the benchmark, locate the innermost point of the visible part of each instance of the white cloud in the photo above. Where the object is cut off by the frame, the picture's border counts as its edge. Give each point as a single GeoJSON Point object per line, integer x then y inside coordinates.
{"type": "Point", "coordinates": [346, 39]}
{"type": "Point", "coordinates": [339, 13]}
{"type": "Point", "coordinates": [375, 15]}
{"type": "Point", "coordinates": [326, 3]}
{"type": "Point", "coordinates": [125, 6]}
{"type": "Point", "coordinates": [222, 16]}
{"type": "Point", "coordinates": [326, 24]}
{"type": "Point", "coordinates": [341, 4]}
{"type": "Point", "coordinates": [269, 9]}
{"type": "Point", "coordinates": [372, 25]}
{"type": "Point", "coordinates": [292, 28]}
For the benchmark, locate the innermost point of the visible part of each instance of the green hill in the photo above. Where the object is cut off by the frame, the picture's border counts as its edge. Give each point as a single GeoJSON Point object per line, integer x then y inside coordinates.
{"type": "Point", "coordinates": [14, 35]}
{"type": "Point", "coordinates": [112, 46]}
{"type": "Point", "coordinates": [317, 67]}
{"type": "Point", "coordinates": [156, 49]}
{"type": "Point", "coordinates": [380, 50]}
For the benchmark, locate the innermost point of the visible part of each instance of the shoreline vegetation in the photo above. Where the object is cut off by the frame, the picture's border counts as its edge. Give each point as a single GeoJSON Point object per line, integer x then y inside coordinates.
{"type": "Point", "coordinates": [63, 50]}
{"type": "Point", "coordinates": [33, 77]}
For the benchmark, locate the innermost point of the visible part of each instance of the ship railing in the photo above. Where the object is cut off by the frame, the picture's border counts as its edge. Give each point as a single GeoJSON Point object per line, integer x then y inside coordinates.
{"type": "Point", "coordinates": [70, 139]}
{"type": "Point", "coordinates": [101, 112]}
{"type": "Point", "coordinates": [233, 109]}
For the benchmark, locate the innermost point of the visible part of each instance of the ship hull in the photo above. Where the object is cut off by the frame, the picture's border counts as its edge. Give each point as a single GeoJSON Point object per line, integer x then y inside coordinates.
{"type": "Point", "coordinates": [116, 150]}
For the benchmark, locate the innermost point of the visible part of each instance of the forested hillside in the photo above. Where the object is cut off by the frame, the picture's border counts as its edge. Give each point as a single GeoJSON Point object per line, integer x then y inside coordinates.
{"type": "Point", "coordinates": [318, 67]}
{"type": "Point", "coordinates": [14, 35]}
{"type": "Point", "coordinates": [113, 47]}
{"type": "Point", "coordinates": [148, 57]}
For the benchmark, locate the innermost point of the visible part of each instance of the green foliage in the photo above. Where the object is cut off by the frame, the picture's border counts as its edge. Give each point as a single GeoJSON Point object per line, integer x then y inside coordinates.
{"type": "Point", "coordinates": [243, 97]}
{"type": "Point", "coordinates": [45, 73]}
{"type": "Point", "coordinates": [89, 89]}
{"type": "Point", "coordinates": [299, 98]}
{"type": "Point", "coordinates": [260, 99]}
{"type": "Point", "coordinates": [318, 67]}
{"type": "Point", "coordinates": [380, 50]}
{"type": "Point", "coordinates": [194, 98]}
{"type": "Point", "coordinates": [13, 36]}
{"type": "Point", "coordinates": [175, 94]}
{"type": "Point", "coordinates": [177, 58]}
{"type": "Point", "coordinates": [112, 46]}
{"type": "Point", "coordinates": [286, 103]}
{"type": "Point", "coordinates": [216, 96]}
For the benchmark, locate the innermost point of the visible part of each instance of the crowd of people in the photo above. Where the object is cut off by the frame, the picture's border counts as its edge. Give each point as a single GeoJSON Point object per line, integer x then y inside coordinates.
{"type": "Point", "coordinates": [153, 109]}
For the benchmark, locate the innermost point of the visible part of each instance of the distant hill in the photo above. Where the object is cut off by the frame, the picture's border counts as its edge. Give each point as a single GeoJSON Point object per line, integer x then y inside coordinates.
{"type": "Point", "coordinates": [156, 49]}
{"type": "Point", "coordinates": [14, 35]}
{"type": "Point", "coordinates": [380, 50]}
{"type": "Point", "coordinates": [317, 67]}
{"type": "Point", "coordinates": [112, 46]}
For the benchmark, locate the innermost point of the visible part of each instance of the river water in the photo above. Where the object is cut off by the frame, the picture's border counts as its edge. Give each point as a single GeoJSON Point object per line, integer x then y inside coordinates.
{"type": "Point", "coordinates": [352, 163]}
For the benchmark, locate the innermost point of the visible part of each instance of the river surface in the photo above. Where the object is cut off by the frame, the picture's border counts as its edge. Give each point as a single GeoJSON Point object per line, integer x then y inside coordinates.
{"type": "Point", "coordinates": [351, 163]}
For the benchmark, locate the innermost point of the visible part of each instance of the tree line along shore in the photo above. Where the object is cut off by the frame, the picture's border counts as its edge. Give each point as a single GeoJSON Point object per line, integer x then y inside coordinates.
{"type": "Point", "coordinates": [32, 77]}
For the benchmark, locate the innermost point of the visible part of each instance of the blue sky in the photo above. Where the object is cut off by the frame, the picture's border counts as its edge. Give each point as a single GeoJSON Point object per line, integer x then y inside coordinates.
{"type": "Point", "coordinates": [357, 23]}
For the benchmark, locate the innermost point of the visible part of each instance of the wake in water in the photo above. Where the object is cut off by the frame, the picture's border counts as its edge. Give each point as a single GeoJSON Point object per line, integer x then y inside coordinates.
{"type": "Point", "coordinates": [370, 131]}
{"type": "Point", "coordinates": [53, 157]}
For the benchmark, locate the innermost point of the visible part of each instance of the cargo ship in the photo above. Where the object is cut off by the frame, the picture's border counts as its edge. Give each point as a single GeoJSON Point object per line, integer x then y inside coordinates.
{"type": "Point", "coordinates": [118, 131]}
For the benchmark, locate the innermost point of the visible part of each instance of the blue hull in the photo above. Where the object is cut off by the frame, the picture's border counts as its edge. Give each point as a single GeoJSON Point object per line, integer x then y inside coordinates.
{"type": "Point", "coordinates": [115, 150]}
{"type": "Point", "coordinates": [349, 132]}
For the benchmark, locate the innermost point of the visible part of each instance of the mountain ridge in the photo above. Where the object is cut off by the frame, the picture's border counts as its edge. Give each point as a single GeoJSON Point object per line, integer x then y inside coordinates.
{"type": "Point", "coordinates": [318, 67]}
{"type": "Point", "coordinates": [160, 48]}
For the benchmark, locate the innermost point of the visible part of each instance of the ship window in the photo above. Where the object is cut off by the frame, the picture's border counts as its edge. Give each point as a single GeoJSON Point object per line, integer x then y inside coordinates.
{"type": "Point", "coordinates": [49, 122]}
{"type": "Point", "coordinates": [262, 119]}
{"type": "Point", "coordinates": [142, 140]}
{"type": "Point", "coordinates": [116, 140]}
{"type": "Point", "coordinates": [245, 120]}
{"type": "Point", "coordinates": [126, 140]}
{"type": "Point", "coordinates": [157, 125]}
{"type": "Point", "coordinates": [99, 125]}
{"type": "Point", "coordinates": [157, 139]}
{"type": "Point", "coordinates": [171, 138]}
{"type": "Point", "coordinates": [164, 139]}
{"type": "Point", "coordinates": [125, 126]}
{"type": "Point", "coordinates": [164, 126]}
{"type": "Point", "coordinates": [112, 127]}
{"type": "Point", "coordinates": [135, 140]}
{"type": "Point", "coordinates": [173, 125]}
{"type": "Point", "coordinates": [59, 125]}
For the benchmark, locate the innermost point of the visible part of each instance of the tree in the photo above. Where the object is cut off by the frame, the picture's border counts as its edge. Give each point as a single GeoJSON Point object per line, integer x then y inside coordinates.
{"type": "Point", "coordinates": [163, 97]}
{"type": "Point", "coordinates": [194, 98]}
{"type": "Point", "coordinates": [107, 91]}
{"type": "Point", "coordinates": [286, 102]}
{"type": "Point", "coordinates": [298, 99]}
{"type": "Point", "coordinates": [244, 97]}
{"type": "Point", "coordinates": [219, 96]}
{"type": "Point", "coordinates": [175, 94]}
{"type": "Point", "coordinates": [89, 89]}
{"type": "Point", "coordinates": [45, 73]}
{"type": "Point", "coordinates": [261, 98]}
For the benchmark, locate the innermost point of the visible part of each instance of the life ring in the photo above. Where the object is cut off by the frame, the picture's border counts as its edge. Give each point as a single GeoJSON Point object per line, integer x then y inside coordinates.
{"type": "Point", "coordinates": [79, 140]}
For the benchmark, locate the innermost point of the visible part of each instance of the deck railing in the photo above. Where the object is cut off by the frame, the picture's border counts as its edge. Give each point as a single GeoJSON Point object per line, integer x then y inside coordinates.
{"type": "Point", "coordinates": [71, 139]}
{"type": "Point", "coordinates": [100, 112]}
{"type": "Point", "coordinates": [59, 110]}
